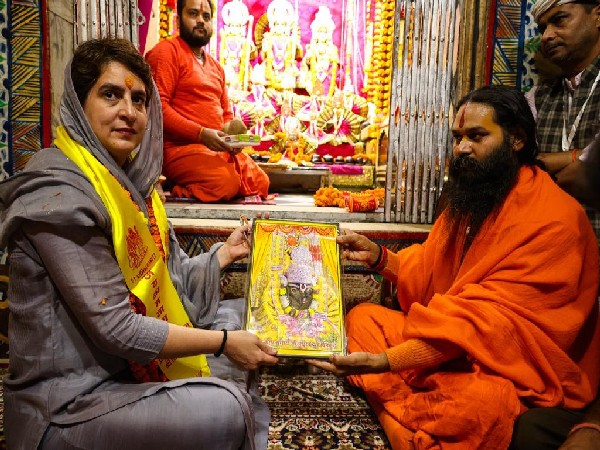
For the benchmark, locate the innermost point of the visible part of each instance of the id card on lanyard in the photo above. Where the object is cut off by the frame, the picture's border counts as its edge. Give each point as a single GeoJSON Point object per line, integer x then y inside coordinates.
{"type": "Point", "coordinates": [567, 138]}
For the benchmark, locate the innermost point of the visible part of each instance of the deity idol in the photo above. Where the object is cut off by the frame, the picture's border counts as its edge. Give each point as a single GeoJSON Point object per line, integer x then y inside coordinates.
{"type": "Point", "coordinates": [320, 63]}
{"type": "Point", "coordinates": [263, 107]}
{"type": "Point", "coordinates": [280, 45]}
{"type": "Point", "coordinates": [298, 284]}
{"type": "Point", "coordinates": [338, 122]}
{"type": "Point", "coordinates": [310, 113]}
{"type": "Point", "coordinates": [236, 45]}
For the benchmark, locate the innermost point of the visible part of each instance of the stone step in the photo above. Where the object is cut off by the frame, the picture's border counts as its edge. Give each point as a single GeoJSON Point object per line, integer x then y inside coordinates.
{"type": "Point", "coordinates": [278, 211]}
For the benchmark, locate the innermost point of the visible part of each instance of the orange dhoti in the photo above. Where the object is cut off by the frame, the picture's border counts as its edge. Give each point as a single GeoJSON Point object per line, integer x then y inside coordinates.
{"type": "Point", "coordinates": [454, 407]}
{"type": "Point", "coordinates": [195, 171]}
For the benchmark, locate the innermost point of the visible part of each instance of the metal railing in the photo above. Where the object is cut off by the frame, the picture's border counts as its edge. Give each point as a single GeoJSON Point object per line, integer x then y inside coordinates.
{"type": "Point", "coordinates": [103, 18]}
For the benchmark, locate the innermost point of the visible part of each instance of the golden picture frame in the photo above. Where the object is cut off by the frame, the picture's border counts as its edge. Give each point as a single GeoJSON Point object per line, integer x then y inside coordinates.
{"type": "Point", "coordinates": [294, 290]}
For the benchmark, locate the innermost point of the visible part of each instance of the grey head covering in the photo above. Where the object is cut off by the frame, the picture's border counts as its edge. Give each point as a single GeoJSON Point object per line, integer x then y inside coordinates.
{"type": "Point", "coordinates": [143, 170]}
{"type": "Point", "coordinates": [542, 6]}
{"type": "Point", "coordinates": [52, 189]}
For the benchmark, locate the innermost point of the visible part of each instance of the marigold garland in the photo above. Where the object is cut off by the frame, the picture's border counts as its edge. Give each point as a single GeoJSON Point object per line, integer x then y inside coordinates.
{"type": "Point", "coordinates": [166, 13]}
{"type": "Point", "coordinates": [378, 73]}
{"type": "Point", "coordinates": [330, 196]}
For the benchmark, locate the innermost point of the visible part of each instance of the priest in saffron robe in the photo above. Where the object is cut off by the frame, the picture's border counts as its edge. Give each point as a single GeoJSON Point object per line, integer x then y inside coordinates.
{"type": "Point", "coordinates": [499, 304]}
{"type": "Point", "coordinates": [197, 160]}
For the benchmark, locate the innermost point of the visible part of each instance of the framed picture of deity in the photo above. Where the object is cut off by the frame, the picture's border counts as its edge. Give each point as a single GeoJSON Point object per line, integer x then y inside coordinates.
{"type": "Point", "coordinates": [294, 290]}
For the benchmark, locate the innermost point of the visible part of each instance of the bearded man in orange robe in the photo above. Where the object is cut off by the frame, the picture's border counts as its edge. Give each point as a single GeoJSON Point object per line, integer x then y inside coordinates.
{"type": "Point", "coordinates": [499, 304]}
{"type": "Point", "coordinates": [191, 83]}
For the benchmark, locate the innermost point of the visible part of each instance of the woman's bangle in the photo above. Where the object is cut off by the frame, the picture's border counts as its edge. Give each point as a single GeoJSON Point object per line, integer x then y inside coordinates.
{"type": "Point", "coordinates": [200, 134]}
{"type": "Point", "coordinates": [579, 426]}
{"type": "Point", "coordinates": [222, 347]}
{"type": "Point", "coordinates": [574, 156]}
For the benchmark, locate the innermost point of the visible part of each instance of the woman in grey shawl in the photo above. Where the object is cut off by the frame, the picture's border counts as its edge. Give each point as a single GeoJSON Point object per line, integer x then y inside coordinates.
{"type": "Point", "coordinates": [73, 334]}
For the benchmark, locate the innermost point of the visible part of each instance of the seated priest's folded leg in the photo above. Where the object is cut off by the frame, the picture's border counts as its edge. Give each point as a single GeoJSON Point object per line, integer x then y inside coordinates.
{"type": "Point", "coordinates": [253, 180]}
{"type": "Point", "coordinates": [196, 172]}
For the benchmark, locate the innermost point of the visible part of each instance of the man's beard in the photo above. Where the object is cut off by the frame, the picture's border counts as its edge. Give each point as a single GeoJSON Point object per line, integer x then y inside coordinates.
{"type": "Point", "coordinates": [477, 188]}
{"type": "Point", "coordinates": [193, 40]}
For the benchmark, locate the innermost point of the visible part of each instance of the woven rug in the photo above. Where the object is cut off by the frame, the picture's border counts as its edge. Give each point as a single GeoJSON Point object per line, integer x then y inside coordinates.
{"type": "Point", "coordinates": [318, 412]}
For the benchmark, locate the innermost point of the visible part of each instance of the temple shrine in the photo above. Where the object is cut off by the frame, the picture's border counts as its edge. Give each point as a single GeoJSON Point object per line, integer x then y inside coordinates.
{"type": "Point", "coordinates": [311, 79]}
{"type": "Point", "coordinates": [360, 90]}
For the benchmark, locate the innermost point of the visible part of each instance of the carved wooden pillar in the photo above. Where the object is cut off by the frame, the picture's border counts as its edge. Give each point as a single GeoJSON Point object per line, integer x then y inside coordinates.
{"type": "Point", "coordinates": [61, 22]}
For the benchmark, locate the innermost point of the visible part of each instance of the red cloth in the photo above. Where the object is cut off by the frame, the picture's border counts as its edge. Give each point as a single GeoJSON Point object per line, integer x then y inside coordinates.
{"type": "Point", "coordinates": [522, 306]}
{"type": "Point", "coordinates": [342, 169]}
{"type": "Point", "coordinates": [195, 96]}
{"type": "Point", "coordinates": [344, 149]}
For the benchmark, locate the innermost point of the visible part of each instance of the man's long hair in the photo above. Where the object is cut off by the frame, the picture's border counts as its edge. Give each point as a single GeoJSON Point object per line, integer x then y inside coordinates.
{"type": "Point", "coordinates": [513, 113]}
{"type": "Point", "coordinates": [477, 188]}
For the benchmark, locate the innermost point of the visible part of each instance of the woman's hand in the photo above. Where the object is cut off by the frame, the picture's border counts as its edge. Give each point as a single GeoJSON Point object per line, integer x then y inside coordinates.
{"type": "Point", "coordinates": [213, 140]}
{"type": "Point", "coordinates": [247, 351]}
{"type": "Point", "coordinates": [353, 364]}
{"type": "Point", "coordinates": [238, 243]}
{"type": "Point", "coordinates": [236, 247]}
{"type": "Point", "coordinates": [357, 247]}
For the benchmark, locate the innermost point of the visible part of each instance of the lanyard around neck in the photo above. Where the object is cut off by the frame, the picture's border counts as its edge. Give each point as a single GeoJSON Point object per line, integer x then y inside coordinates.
{"type": "Point", "coordinates": [568, 139]}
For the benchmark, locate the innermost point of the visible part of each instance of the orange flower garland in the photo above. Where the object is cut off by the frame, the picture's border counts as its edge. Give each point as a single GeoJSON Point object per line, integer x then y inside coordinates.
{"type": "Point", "coordinates": [329, 196]}
{"type": "Point", "coordinates": [367, 200]}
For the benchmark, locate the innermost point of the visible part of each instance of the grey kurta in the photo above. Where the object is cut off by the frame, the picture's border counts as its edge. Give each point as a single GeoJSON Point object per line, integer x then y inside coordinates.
{"type": "Point", "coordinates": [72, 330]}
{"type": "Point", "coordinates": [69, 348]}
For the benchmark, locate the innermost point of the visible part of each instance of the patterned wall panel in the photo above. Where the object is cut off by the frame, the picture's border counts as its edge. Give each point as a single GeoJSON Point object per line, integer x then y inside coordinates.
{"type": "Point", "coordinates": [506, 57]}
{"type": "Point", "coordinates": [5, 155]}
{"type": "Point", "coordinates": [5, 164]}
{"type": "Point", "coordinates": [531, 45]}
{"type": "Point", "coordinates": [515, 41]}
{"type": "Point", "coordinates": [25, 80]}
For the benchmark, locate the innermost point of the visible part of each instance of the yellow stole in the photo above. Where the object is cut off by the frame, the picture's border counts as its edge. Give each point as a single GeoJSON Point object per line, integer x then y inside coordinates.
{"type": "Point", "coordinates": [140, 261]}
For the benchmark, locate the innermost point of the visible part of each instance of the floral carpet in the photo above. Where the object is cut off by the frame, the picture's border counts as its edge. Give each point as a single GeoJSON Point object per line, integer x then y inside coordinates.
{"type": "Point", "coordinates": [318, 412]}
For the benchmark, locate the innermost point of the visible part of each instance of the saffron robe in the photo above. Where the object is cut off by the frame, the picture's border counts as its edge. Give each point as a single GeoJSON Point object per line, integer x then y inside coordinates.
{"type": "Point", "coordinates": [522, 305]}
{"type": "Point", "coordinates": [194, 96]}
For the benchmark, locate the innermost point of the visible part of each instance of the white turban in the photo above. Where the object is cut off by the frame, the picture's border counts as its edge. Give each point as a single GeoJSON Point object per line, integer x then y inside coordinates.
{"type": "Point", "coordinates": [542, 6]}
